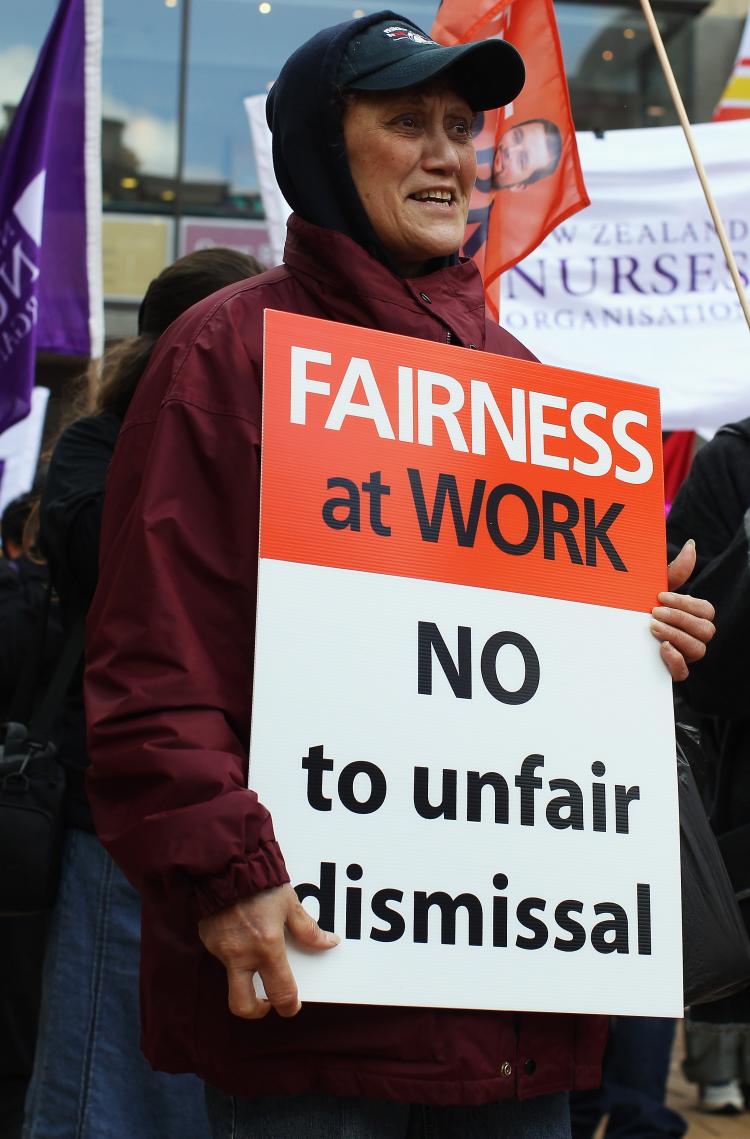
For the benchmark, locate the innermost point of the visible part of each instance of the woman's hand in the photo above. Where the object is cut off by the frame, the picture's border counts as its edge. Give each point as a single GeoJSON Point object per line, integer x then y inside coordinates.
{"type": "Point", "coordinates": [683, 624]}
{"type": "Point", "coordinates": [248, 938]}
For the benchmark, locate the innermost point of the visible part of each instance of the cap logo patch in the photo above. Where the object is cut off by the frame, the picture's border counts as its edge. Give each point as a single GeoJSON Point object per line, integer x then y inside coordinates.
{"type": "Point", "coordinates": [397, 32]}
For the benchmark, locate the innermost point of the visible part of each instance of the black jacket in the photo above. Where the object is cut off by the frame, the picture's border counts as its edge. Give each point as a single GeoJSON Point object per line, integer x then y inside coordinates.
{"type": "Point", "coordinates": [23, 586]}
{"type": "Point", "coordinates": [713, 507]}
{"type": "Point", "coordinates": [71, 515]}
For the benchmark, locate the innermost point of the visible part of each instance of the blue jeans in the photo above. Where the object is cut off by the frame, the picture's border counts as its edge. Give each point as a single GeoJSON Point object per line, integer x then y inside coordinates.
{"type": "Point", "coordinates": [317, 1116]}
{"type": "Point", "coordinates": [636, 1065]}
{"type": "Point", "coordinates": [90, 1080]}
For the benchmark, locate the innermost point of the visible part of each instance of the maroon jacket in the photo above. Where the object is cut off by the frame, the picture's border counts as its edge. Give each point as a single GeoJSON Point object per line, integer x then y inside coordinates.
{"type": "Point", "coordinates": [169, 679]}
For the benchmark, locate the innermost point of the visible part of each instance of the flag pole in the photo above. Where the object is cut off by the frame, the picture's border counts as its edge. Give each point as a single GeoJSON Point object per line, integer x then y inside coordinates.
{"type": "Point", "coordinates": [179, 183]}
{"type": "Point", "coordinates": [721, 233]}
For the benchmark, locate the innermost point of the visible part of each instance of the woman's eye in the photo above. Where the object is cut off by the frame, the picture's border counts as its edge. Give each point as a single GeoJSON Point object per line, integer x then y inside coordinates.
{"type": "Point", "coordinates": [462, 128]}
{"type": "Point", "coordinates": [408, 121]}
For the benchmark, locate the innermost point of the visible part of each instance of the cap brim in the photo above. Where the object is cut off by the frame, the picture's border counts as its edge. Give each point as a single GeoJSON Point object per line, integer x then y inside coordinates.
{"type": "Point", "coordinates": [488, 74]}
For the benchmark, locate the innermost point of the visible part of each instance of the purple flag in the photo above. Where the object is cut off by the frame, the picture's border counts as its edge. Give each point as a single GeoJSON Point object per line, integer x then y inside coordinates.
{"type": "Point", "coordinates": [50, 209]}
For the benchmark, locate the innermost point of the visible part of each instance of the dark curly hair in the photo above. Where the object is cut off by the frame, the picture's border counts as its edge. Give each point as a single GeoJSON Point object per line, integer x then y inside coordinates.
{"type": "Point", "coordinates": [176, 289]}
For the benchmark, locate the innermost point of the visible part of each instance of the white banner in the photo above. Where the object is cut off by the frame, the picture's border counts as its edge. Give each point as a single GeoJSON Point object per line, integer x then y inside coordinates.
{"type": "Point", "coordinates": [636, 286]}
{"type": "Point", "coordinates": [275, 205]}
{"type": "Point", "coordinates": [19, 450]}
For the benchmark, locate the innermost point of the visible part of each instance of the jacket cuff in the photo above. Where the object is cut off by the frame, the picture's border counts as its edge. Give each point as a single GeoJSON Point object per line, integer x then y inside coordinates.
{"type": "Point", "coordinates": [261, 870]}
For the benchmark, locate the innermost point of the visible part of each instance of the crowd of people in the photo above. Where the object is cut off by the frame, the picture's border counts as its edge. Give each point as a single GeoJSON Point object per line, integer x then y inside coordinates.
{"type": "Point", "coordinates": [171, 868]}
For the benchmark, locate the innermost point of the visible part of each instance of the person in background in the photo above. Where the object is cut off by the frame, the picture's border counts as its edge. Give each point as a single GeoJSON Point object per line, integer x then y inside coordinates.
{"type": "Point", "coordinates": [15, 516]}
{"type": "Point", "coordinates": [634, 1084]}
{"type": "Point", "coordinates": [90, 1080]}
{"type": "Point", "coordinates": [23, 585]}
{"type": "Point", "coordinates": [713, 507]}
{"type": "Point", "coordinates": [377, 161]}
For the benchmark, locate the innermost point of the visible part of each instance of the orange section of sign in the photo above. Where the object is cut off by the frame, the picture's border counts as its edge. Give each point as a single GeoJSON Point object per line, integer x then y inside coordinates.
{"type": "Point", "coordinates": [400, 456]}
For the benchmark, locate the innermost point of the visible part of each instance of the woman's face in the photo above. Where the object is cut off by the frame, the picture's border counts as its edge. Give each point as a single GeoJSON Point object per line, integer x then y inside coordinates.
{"type": "Point", "coordinates": [413, 164]}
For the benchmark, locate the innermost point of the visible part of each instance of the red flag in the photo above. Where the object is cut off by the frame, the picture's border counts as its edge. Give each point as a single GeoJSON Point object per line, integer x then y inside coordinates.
{"type": "Point", "coordinates": [678, 456]}
{"type": "Point", "coordinates": [528, 173]}
{"type": "Point", "coordinates": [735, 102]}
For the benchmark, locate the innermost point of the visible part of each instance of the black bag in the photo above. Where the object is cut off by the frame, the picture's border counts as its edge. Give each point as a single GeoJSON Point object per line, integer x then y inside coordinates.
{"type": "Point", "coordinates": [32, 784]}
{"type": "Point", "coordinates": [32, 802]}
{"type": "Point", "coordinates": [716, 948]}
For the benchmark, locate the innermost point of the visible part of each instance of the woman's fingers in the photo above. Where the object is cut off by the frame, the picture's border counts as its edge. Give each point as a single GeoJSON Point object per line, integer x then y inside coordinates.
{"type": "Point", "coordinates": [274, 968]}
{"type": "Point", "coordinates": [243, 999]}
{"type": "Point", "coordinates": [687, 604]}
{"type": "Point", "coordinates": [248, 938]}
{"type": "Point", "coordinates": [306, 930]}
{"type": "Point", "coordinates": [679, 570]}
{"type": "Point", "coordinates": [684, 625]}
{"type": "Point", "coordinates": [674, 661]}
{"type": "Point", "coordinates": [686, 631]}
{"type": "Point", "coordinates": [280, 985]}
{"type": "Point", "coordinates": [691, 648]}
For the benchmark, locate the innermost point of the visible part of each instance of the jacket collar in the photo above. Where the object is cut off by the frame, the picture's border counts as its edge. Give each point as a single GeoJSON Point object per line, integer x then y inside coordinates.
{"type": "Point", "coordinates": [360, 290]}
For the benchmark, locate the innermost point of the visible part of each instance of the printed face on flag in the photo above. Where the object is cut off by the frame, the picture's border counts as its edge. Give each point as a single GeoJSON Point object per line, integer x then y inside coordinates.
{"type": "Point", "coordinates": [528, 174]}
{"type": "Point", "coordinates": [525, 153]}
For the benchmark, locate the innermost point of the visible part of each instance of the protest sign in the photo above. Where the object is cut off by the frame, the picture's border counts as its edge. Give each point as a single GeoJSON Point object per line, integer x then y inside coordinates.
{"type": "Point", "coordinates": [461, 722]}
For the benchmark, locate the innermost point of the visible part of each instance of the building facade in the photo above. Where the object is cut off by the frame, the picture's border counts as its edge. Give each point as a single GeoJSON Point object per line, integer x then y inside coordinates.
{"type": "Point", "coordinates": [178, 169]}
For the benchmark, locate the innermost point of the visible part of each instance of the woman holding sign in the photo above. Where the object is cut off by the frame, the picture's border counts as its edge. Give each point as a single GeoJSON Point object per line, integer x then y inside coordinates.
{"type": "Point", "coordinates": [371, 125]}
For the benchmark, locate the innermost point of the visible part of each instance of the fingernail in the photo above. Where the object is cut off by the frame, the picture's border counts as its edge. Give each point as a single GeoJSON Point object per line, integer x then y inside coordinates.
{"type": "Point", "coordinates": [333, 938]}
{"type": "Point", "coordinates": [661, 612]}
{"type": "Point", "coordinates": [690, 542]}
{"type": "Point", "coordinates": [654, 627]}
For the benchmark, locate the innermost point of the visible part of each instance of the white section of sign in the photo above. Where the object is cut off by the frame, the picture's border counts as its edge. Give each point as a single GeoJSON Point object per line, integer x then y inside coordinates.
{"type": "Point", "coordinates": [635, 286]}
{"type": "Point", "coordinates": [19, 449]}
{"type": "Point", "coordinates": [275, 205]}
{"type": "Point", "coordinates": [337, 667]}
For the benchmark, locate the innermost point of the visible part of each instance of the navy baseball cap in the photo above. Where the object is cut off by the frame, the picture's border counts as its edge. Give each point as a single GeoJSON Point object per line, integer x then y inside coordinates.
{"type": "Point", "coordinates": [394, 53]}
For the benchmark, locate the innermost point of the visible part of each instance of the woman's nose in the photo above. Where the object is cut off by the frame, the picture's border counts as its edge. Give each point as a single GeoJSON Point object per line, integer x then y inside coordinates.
{"type": "Point", "coordinates": [441, 151]}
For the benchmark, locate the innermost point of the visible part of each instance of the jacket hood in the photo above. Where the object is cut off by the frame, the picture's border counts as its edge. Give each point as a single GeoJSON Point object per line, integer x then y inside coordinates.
{"type": "Point", "coordinates": [304, 113]}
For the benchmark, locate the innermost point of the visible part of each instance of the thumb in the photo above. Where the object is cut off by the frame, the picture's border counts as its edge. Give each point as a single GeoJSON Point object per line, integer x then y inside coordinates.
{"type": "Point", "coordinates": [306, 930]}
{"type": "Point", "coordinates": [683, 565]}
